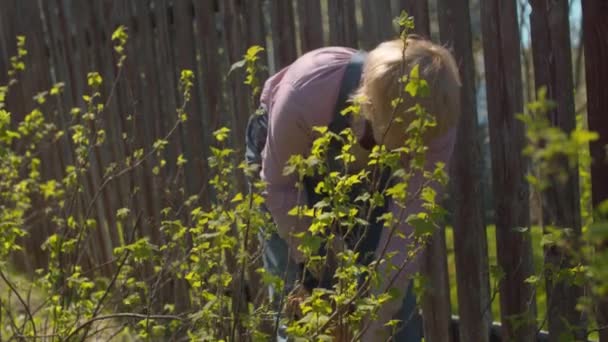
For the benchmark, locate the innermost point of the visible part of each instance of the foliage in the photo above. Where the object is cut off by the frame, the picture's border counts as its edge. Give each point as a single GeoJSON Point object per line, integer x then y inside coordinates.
{"type": "Point", "coordinates": [198, 279]}
{"type": "Point", "coordinates": [205, 251]}
{"type": "Point", "coordinates": [556, 156]}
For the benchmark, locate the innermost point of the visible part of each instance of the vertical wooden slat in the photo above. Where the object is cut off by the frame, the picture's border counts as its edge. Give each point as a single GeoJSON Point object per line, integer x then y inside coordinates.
{"type": "Point", "coordinates": [436, 307]}
{"type": "Point", "coordinates": [56, 162]}
{"type": "Point", "coordinates": [210, 60]}
{"type": "Point", "coordinates": [5, 39]}
{"type": "Point", "coordinates": [179, 49]}
{"type": "Point", "coordinates": [257, 35]}
{"type": "Point", "coordinates": [161, 116]}
{"type": "Point", "coordinates": [15, 101]}
{"type": "Point", "coordinates": [168, 177]}
{"type": "Point", "coordinates": [310, 25]}
{"type": "Point", "coordinates": [235, 42]}
{"type": "Point", "coordinates": [342, 23]}
{"type": "Point", "coordinates": [105, 64]}
{"type": "Point", "coordinates": [145, 114]}
{"type": "Point", "coordinates": [64, 153]}
{"type": "Point", "coordinates": [145, 20]}
{"type": "Point", "coordinates": [169, 85]}
{"type": "Point", "coordinates": [236, 48]}
{"type": "Point", "coordinates": [114, 15]}
{"type": "Point", "coordinates": [561, 205]}
{"type": "Point", "coordinates": [167, 92]}
{"type": "Point", "coordinates": [283, 33]}
{"type": "Point", "coordinates": [377, 23]}
{"type": "Point", "coordinates": [185, 54]}
{"type": "Point", "coordinates": [98, 248]}
{"type": "Point", "coordinates": [34, 79]}
{"type": "Point", "coordinates": [102, 155]}
{"type": "Point", "coordinates": [595, 35]}
{"type": "Point", "coordinates": [420, 11]}
{"type": "Point", "coordinates": [470, 244]}
{"type": "Point", "coordinates": [504, 91]}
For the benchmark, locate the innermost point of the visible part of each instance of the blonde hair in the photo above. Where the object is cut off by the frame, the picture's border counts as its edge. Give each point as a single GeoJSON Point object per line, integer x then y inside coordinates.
{"type": "Point", "coordinates": [380, 85]}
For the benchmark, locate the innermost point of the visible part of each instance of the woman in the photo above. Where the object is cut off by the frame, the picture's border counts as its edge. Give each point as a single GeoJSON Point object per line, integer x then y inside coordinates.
{"type": "Point", "coordinates": [306, 94]}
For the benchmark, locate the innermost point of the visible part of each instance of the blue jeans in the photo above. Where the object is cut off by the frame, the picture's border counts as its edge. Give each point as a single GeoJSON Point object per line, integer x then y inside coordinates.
{"type": "Point", "coordinates": [275, 257]}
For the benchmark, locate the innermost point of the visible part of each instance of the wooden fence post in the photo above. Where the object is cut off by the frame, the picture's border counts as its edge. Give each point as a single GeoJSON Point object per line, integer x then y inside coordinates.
{"type": "Point", "coordinates": [101, 250]}
{"type": "Point", "coordinates": [595, 34]}
{"type": "Point", "coordinates": [436, 305]}
{"type": "Point", "coordinates": [205, 14]}
{"type": "Point", "coordinates": [505, 99]}
{"type": "Point", "coordinates": [283, 33]}
{"type": "Point", "coordinates": [342, 23]}
{"type": "Point", "coordinates": [310, 24]}
{"type": "Point", "coordinates": [185, 53]}
{"type": "Point", "coordinates": [420, 11]}
{"type": "Point", "coordinates": [553, 69]}
{"type": "Point", "coordinates": [377, 23]}
{"type": "Point", "coordinates": [257, 36]}
{"type": "Point", "coordinates": [470, 242]}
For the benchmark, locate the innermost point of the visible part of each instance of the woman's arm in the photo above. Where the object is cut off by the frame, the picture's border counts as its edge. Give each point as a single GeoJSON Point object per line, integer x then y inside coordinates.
{"type": "Point", "coordinates": [288, 135]}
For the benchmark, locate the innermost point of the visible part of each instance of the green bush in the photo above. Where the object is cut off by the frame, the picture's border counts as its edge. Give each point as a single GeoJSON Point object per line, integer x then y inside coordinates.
{"type": "Point", "coordinates": [209, 252]}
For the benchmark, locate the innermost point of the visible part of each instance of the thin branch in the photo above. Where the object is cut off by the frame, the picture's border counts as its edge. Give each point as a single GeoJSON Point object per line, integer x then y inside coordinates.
{"type": "Point", "coordinates": [122, 315]}
{"type": "Point", "coordinates": [116, 273]}
{"type": "Point", "coordinates": [25, 306]}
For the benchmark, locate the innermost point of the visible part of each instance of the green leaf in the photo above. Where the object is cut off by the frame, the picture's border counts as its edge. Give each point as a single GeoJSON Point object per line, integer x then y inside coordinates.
{"type": "Point", "coordinates": [221, 134]}
{"type": "Point", "coordinates": [421, 223]}
{"type": "Point", "coordinates": [237, 65]}
{"type": "Point", "coordinates": [532, 279]}
{"type": "Point", "coordinates": [253, 52]}
{"type": "Point", "coordinates": [123, 213]}
{"type": "Point", "coordinates": [94, 79]}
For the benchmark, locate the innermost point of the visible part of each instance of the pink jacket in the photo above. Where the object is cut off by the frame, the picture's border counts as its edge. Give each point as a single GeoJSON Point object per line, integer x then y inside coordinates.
{"type": "Point", "coordinates": [299, 97]}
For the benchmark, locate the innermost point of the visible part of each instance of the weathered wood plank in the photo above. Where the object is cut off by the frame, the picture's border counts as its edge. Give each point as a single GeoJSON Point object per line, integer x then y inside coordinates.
{"type": "Point", "coordinates": [5, 39]}
{"type": "Point", "coordinates": [436, 306]}
{"type": "Point", "coordinates": [146, 110]}
{"type": "Point", "coordinates": [310, 24]}
{"type": "Point", "coordinates": [283, 33]}
{"type": "Point", "coordinates": [256, 35]}
{"type": "Point", "coordinates": [561, 203]}
{"type": "Point", "coordinates": [236, 48]}
{"type": "Point", "coordinates": [420, 11]}
{"type": "Point", "coordinates": [185, 55]}
{"type": "Point", "coordinates": [15, 100]}
{"type": "Point", "coordinates": [377, 23]}
{"type": "Point", "coordinates": [470, 245]}
{"type": "Point", "coordinates": [30, 82]}
{"type": "Point", "coordinates": [342, 23]}
{"type": "Point", "coordinates": [164, 17]}
{"type": "Point", "coordinates": [505, 99]}
{"type": "Point", "coordinates": [595, 35]}
{"type": "Point", "coordinates": [63, 150]}
{"type": "Point", "coordinates": [208, 38]}
{"type": "Point", "coordinates": [101, 30]}
{"type": "Point", "coordinates": [96, 248]}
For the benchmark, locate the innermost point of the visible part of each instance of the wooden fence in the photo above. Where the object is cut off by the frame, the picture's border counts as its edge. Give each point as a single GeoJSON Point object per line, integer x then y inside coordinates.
{"type": "Point", "coordinates": [68, 38]}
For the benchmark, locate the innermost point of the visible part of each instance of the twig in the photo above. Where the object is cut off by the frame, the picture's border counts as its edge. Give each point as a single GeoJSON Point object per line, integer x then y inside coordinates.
{"type": "Point", "coordinates": [12, 322]}
{"type": "Point", "coordinates": [122, 315]}
{"type": "Point", "coordinates": [116, 274]}
{"type": "Point", "coordinates": [25, 306]}
{"type": "Point", "coordinates": [116, 176]}
{"type": "Point", "coordinates": [241, 277]}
